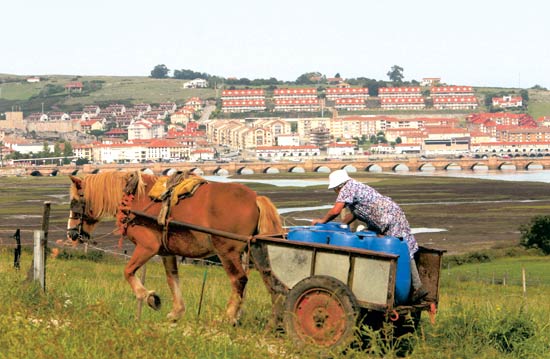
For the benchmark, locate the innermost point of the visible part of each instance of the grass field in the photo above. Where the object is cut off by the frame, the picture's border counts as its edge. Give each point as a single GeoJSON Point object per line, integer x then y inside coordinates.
{"type": "Point", "coordinates": [88, 311]}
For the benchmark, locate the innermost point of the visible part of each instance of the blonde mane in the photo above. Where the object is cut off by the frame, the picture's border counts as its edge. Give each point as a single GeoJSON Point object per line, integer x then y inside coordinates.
{"type": "Point", "coordinates": [103, 191]}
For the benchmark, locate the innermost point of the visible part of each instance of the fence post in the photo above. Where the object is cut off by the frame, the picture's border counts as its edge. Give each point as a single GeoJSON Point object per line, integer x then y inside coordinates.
{"type": "Point", "coordinates": [45, 228]}
{"type": "Point", "coordinates": [523, 282]}
{"type": "Point", "coordinates": [39, 269]}
{"type": "Point", "coordinates": [17, 250]}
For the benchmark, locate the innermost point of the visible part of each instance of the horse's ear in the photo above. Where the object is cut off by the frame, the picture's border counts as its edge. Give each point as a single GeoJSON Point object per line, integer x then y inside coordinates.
{"type": "Point", "coordinates": [77, 181]}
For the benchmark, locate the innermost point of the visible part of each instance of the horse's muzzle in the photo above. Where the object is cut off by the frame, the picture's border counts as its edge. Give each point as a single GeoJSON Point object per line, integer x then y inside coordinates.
{"type": "Point", "coordinates": [78, 235]}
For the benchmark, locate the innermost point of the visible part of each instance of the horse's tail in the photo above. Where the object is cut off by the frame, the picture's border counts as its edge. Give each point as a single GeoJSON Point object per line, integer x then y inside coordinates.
{"type": "Point", "coordinates": [269, 221]}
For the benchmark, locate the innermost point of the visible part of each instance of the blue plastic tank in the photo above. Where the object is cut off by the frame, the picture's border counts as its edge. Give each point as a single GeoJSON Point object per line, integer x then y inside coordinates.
{"type": "Point", "coordinates": [396, 246]}
{"type": "Point", "coordinates": [307, 234]}
{"type": "Point", "coordinates": [332, 226]}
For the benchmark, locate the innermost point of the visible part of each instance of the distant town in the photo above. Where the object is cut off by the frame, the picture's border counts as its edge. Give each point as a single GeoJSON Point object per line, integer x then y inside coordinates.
{"type": "Point", "coordinates": [247, 124]}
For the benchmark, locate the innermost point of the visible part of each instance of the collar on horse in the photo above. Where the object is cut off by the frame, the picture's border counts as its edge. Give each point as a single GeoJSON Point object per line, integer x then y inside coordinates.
{"type": "Point", "coordinates": [168, 190]}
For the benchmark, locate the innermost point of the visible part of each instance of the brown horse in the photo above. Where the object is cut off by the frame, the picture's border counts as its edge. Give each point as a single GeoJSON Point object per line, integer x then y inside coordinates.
{"type": "Point", "coordinates": [228, 207]}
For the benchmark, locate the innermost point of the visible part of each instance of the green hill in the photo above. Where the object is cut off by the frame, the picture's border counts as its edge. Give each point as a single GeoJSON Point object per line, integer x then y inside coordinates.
{"type": "Point", "coordinates": [50, 94]}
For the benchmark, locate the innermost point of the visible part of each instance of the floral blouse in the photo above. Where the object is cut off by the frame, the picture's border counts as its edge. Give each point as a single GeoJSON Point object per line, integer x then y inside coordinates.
{"type": "Point", "coordinates": [379, 212]}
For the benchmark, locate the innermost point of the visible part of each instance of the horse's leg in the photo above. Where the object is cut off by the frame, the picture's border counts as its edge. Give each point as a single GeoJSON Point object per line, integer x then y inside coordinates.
{"type": "Point", "coordinates": [231, 262]}
{"type": "Point", "coordinates": [139, 258]}
{"type": "Point", "coordinates": [171, 268]}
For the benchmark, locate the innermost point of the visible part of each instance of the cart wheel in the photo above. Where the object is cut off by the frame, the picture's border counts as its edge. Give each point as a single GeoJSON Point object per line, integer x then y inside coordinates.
{"type": "Point", "coordinates": [321, 310]}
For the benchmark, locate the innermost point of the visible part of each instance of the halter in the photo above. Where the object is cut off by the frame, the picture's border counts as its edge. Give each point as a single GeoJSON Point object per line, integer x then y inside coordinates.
{"type": "Point", "coordinates": [78, 211]}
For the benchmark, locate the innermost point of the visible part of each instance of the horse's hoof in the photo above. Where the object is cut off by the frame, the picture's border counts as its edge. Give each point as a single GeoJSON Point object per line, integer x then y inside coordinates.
{"type": "Point", "coordinates": [153, 301]}
{"type": "Point", "coordinates": [173, 317]}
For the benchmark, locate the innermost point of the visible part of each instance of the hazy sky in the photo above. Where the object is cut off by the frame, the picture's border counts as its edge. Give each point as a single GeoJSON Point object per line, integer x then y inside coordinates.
{"type": "Point", "coordinates": [501, 43]}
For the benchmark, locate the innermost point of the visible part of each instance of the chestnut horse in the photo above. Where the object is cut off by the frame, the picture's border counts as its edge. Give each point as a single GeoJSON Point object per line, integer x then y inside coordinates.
{"type": "Point", "coordinates": [228, 207]}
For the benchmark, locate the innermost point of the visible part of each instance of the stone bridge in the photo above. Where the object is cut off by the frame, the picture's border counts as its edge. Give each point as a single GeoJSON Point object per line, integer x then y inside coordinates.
{"type": "Point", "coordinates": [414, 164]}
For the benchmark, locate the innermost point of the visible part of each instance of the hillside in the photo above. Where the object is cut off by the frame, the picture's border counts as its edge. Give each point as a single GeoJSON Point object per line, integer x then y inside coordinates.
{"type": "Point", "coordinates": [49, 94]}
{"type": "Point", "coordinates": [101, 90]}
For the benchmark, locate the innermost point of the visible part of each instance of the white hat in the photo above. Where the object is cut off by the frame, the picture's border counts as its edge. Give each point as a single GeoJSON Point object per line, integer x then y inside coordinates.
{"type": "Point", "coordinates": [337, 177]}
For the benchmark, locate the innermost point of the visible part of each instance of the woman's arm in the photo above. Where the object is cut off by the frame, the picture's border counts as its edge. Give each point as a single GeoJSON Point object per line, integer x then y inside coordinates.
{"type": "Point", "coordinates": [331, 214]}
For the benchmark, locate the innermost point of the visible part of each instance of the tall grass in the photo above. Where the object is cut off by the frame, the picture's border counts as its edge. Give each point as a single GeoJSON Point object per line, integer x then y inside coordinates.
{"type": "Point", "coordinates": [89, 311]}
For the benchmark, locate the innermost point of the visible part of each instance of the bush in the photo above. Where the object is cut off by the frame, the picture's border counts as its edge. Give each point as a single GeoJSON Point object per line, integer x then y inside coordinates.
{"type": "Point", "coordinates": [536, 234]}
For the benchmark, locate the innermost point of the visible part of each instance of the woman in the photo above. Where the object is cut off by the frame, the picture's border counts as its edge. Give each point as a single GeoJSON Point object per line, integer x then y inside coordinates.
{"type": "Point", "coordinates": [380, 213]}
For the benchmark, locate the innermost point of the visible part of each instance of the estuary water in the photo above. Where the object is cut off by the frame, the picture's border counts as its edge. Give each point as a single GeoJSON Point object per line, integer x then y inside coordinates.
{"type": "Point", "coordinates": [524, 176]}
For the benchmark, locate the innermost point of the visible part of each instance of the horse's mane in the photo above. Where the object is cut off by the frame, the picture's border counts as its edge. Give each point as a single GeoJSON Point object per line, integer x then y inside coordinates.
{"type": "Point", "coordinates": [103, 191]}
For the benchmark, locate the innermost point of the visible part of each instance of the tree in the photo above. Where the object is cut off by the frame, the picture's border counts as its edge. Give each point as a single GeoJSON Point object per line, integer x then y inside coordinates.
{"type": "Point", "coordinates": [536, 233]}
{"type": "Point", "coordinates": [396, 74]}
{"type": "Point", "coordinates": [310, 78]}
{"type": "Point", "coordinates": [160, 72]}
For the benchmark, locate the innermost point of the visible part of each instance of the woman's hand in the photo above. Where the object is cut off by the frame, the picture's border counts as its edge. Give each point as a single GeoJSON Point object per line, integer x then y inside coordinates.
{"type": "Point", "coordinates": [316, 221]}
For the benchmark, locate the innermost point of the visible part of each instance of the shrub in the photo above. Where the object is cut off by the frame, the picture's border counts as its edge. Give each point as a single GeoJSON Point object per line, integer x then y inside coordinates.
{"type": "Point", "coordinates": [536, 233]}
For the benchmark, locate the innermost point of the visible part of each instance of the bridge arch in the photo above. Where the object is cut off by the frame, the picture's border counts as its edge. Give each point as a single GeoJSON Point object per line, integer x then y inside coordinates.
{"type": "Point", "coordinates": [400, 167]}
{"type": "Point", "coordinates": [151, 172]}
{"type": "Point", "coordinates": [271, 170]}
{"type": "Point", "coordinates": [453, 167]}
{"type": "Point", "coordinates": [350, 168]}
{"type": "Point", "coordinates": [297, 169]}
{"type": "Point", "coordinates": [507, 166]}
{"type": "Point", "coordinates": [479, 167]}
{"type": "Point", "coordinates": [245, 171]}
{"type": "Point", "coordinates": [75, 172]}
{"type": "Point", "coordinates": [36, 173]}
{"type": "Point", "coordinates": [221, 172]}
{"type": "Point", "coordinates": [426, 167]}
{"type": "Point", "coordinates": [196, 170]}
{"type": "Point", "coordinates": [373, 168]}
{"type": "Point", "coordinates": [95, 171]}
{"type": "Point", "coordinates": [322, 169]}
{"type": "Point", "coordinates": [534, 166]}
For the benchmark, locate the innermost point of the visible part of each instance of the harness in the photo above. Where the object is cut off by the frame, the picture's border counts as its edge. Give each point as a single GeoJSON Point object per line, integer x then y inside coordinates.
{"type": "Point", "coordinates": [78, 212]}
{"type": "Point", "coordinates": [168, 190]}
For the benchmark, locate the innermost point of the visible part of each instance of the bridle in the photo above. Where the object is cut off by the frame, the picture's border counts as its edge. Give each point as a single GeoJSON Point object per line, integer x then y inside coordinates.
{"type": "Point", "coordinates": [78, 212]}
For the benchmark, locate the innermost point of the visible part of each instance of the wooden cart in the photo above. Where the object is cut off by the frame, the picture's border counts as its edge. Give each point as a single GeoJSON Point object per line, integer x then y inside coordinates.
{"type": "Point", "coordinates": [322, 293]}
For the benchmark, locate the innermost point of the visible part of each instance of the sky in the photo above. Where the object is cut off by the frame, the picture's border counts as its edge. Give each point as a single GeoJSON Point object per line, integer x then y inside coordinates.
{"type": "Point", "coordinates": [491, 43]}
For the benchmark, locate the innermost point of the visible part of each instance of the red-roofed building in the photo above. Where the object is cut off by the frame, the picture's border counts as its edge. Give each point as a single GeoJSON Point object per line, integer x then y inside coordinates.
{"type": "Point", "coordinates": [399, 92]}
{"type": "Point", "coordinates": [333, 94]}
{"type": "Point", "coordinates": [446, 91]}
{"type": "Point", "coordinates": [455, 102]}
{"type": "Point", "coordinates": [350, 104]}
{"type": "Point", "coordinates": [507, 101]}
{"type": "Point", "coordinates": [74, 86]}
{"type": "Point", "coordinates": [278, 152]}
{"type": "Point", "coordinates": [337, 149]}
{"type": "Point", "coordinates": [294, 94]}
{"type": "Point", "coordinates": [308, 104]}
{"type": "Point", "coordinates": [243, 105]}
{"type": "Point", "coordinates": [402, 103]}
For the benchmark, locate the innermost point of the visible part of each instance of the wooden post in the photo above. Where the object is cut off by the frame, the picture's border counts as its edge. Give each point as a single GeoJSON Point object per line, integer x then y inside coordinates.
{"type": "Point", "coordinates": [17, 250]}
{"type": "Point", "coordinates": [140, 301]}
{"type": "Point", "coordinates": [523, 282]}
{"type": "Point", "coordinates": [39, 272]}
{"type": "Point", "coordinates": [45, 228]}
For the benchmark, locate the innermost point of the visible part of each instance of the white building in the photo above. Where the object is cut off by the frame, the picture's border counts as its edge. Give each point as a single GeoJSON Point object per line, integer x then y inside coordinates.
{"type": "Point", "coordinates": [196, 83]}
{"type": "Point", "coordinates": [145, 129]}
{"type": "Point", "coordinates": [337, 149]}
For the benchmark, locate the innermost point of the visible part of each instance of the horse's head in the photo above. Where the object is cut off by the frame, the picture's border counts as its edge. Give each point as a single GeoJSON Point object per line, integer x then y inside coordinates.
{"type": "Point", "coordinates": [81, 218]}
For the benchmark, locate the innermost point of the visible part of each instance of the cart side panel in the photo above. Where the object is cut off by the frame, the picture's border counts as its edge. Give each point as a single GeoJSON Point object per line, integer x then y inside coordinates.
{"type": "Point", "coordinates": [290, 264]}
{"type": "Point", "coordinates": [372, 280]}
{"type": "Point", "coordinates": [429, 268]}
{"type": "Point", "coordinates": [333, 264]}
